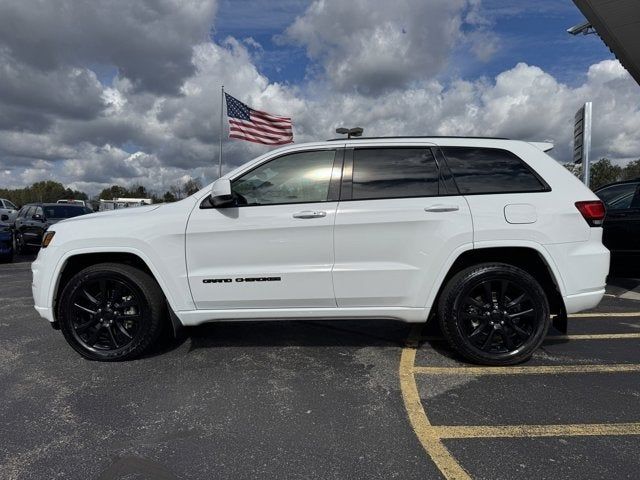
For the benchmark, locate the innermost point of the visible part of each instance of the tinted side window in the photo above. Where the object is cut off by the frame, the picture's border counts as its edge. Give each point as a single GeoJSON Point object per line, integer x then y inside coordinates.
{"type": "Point", "coordinates": [297, 178]}
{"type": "Point", "coordinates": [618, 197]}
{"type": "Point", "coordinates": [394, 173]}
{"type": "Point", "coordinates": [490, 170]}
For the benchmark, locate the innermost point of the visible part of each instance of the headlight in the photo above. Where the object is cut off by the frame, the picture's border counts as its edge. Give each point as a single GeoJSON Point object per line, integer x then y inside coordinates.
{"type": "Point", "coordinates": [46, 239]}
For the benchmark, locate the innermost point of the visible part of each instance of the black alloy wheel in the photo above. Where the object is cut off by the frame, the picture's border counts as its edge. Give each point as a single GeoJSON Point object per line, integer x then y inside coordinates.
{"type": "Point", "coordinates": [494, 314]}
{"type": "Point", "coordinates": [111, 312]}
{"type": "Point", "coordinates": [106, 313]}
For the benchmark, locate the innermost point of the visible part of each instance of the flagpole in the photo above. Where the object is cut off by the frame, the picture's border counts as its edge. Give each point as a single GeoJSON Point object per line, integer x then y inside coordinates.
{"type": "Point", "coordinates": [221, 131]}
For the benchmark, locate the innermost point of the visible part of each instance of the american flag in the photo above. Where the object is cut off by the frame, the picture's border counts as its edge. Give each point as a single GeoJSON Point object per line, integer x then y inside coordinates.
{"type": "Point", "coordinates": [252, 125]}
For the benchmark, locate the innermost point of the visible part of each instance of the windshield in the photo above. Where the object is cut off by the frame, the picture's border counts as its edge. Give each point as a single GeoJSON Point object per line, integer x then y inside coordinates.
{"type": "Point", "coordinates": [63, 211]}
{"type": "Point", "coordinates": [618, 196]}
{"type": "Point", "coordinates": [8, 204]}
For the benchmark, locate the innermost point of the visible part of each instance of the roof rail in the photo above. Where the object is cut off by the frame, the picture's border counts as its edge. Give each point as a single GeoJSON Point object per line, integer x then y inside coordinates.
{"type": "Point", "coordinates": [415, 136]}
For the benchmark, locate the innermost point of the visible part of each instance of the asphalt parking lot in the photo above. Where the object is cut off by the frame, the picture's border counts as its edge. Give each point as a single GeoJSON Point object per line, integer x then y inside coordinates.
{"type": "Point", "coordinates": [326, 400]}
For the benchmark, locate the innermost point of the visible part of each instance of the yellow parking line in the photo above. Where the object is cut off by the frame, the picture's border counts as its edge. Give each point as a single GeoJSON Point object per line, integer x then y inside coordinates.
{"type": "Point", "coordinates": [591, 336]}
{"type": "Point", "coordinates": [417, 416]}
{"type": "Point", "coordinates": [595, 336]}
{"type": "Point", "coordinates": [605, 314]}
{"type": "Point", "coordinates": [529, 370]}
{"type": "Point", "coordinates": [500, 431]}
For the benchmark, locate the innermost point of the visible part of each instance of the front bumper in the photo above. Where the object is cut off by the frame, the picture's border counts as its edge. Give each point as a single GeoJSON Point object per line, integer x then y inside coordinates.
{"type": "Point", "coordinates": [40, 286]}
{"type": "Point", "coordinates": [46, 313]}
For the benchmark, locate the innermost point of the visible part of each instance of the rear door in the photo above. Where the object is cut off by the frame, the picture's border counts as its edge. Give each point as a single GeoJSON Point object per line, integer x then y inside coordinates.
{"type": "Point", "coordinates": [399, 219]}
{"type": "Point", "coordinates": [33, 227]}
{"type": "Point", "coordinates": [23, 220]}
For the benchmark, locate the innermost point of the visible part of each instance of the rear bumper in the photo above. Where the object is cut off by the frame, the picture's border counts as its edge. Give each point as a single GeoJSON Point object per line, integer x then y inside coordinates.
{"type": "Point", "coordinates": [583, 301]}
{"type": "Point", "coordinates": [584, 267]}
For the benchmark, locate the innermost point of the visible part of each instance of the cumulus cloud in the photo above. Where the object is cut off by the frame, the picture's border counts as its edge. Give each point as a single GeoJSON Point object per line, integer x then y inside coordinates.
{"type": "Point", "coordinates": [523, 102]}
{"type": "Point", "coordinates": [148, 41]}
{"type": "Point", "coordinates": [371, 49]}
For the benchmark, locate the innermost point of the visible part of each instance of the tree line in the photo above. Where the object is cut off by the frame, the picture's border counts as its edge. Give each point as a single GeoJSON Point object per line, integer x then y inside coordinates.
{"type": "Point", "coordinates": [176, 192]}
{"type": "Point", "coordinates": [46, 191]}
{"type": "Point", "coordinates": [49, 191]}
{"type": "Point", "coordinates": [604, 172]}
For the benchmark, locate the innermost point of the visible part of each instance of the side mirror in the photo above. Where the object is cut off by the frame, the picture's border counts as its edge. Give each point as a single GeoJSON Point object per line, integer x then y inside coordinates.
{"type": "Point", "coordinates": [37, 216]}
{"type": "Point", "coordinates": [221, 195]}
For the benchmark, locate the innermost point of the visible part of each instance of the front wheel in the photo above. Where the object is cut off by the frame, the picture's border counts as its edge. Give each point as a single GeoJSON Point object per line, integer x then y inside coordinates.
{"type": "Point", "coordinates": [111, 312]}
{"type": "Point", "coordinates": [494, 314]}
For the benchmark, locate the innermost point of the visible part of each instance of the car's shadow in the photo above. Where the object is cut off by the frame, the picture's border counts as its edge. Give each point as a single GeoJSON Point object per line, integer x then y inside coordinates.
{"type": "Point", "coordinates": [301, 333]}
{"type": "Point", "coordinates": [24, 258]}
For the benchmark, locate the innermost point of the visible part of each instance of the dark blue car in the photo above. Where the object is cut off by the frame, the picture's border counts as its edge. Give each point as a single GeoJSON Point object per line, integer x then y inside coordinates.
{"type": "Point", "coordinates": [6, 242]}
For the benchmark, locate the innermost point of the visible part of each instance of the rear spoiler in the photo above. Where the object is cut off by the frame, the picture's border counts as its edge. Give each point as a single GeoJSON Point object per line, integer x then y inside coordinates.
{"type": "Point", "coordinates": [544, 146]}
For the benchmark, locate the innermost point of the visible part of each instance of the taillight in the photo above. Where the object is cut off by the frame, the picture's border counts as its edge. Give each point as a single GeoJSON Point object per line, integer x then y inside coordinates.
{"type": "Point", "coordinates": [593, 212]}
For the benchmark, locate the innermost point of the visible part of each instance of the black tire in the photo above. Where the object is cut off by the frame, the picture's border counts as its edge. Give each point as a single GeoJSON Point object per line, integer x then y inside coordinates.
{"type": "Point", "coordinates": [111, 312]}
{"type": "Point", "coordinates": [494, 314]}
{"type": "Point", "coordinates": [18, 247]}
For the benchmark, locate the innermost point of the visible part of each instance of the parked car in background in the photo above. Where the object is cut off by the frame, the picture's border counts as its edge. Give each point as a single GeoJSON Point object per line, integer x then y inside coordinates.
{"type": "Point", "coordinates": [622, 226]}
{"type": "Point", "coordinates": [6, 242]}
{"type": "Point", "coordinates": [73, 202]}
{"type": "Point", "coordinates": [8, 211]}
{"type": "Point", "coordinates": [118, 203]}
{"type": "Point", "coordinates": [34, 218]}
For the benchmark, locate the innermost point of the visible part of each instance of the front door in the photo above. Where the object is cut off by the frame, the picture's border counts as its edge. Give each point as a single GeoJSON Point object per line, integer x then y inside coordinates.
{"type": "Point", "coordinates": [274, 247]}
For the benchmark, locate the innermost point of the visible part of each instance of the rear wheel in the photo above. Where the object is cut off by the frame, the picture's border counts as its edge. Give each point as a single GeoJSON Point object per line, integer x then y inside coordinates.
{"type": "Point", "coordinates": [494, 314]}
{"type": "Point", "coordinates": [18, 245]}
{"type": "Point", "coordinates": [111, 312]}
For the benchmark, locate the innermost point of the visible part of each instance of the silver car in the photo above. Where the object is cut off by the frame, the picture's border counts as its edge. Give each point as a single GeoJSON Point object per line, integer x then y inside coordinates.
{"type": "Point", "coordinates": [8, 209]}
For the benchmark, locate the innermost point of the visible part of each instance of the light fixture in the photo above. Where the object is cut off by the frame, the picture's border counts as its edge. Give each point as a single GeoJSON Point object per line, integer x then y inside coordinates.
{"type": "Point", "coordinates": [350, 132]}
{"type": "Point", "coordinates": [584, 28]}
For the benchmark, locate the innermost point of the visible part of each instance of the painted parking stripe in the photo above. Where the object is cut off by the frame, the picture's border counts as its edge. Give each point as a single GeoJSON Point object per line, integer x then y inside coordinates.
{"type": "Point", "coordinates": [550, 338]}
{"type": "Point", "coordinates": [420, 423]}
{"type": "Point", "coordinates": [431, 436]}
{"type": "Point", "coordinates": [520, 431]}
{"type": "Point", "coordinates": [528, 370]}
{"type": "Point", "coordinates": [595, 336]}
{"type": "Point", "coordinates": [605, 315]}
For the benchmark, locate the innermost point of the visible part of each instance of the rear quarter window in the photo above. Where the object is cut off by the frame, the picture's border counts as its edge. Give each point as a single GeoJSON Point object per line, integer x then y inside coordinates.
{"type": "Point", "coordinates": [491, 170]}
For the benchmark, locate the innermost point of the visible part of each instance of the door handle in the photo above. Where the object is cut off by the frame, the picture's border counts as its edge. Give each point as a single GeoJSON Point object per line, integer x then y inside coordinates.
{"type": "Point", "coordinates": [442, 208]}
{"type": "Point", "coordinates": [310, 214]}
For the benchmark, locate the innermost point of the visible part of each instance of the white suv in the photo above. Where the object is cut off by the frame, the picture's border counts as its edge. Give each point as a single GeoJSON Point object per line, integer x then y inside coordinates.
{"type": "Point", "coordinates": [491, 236]}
